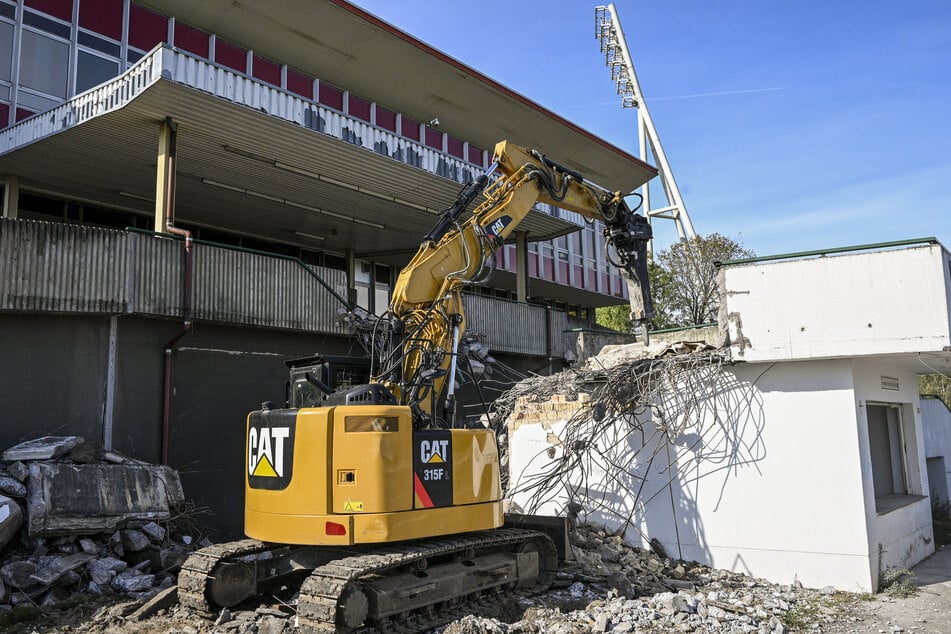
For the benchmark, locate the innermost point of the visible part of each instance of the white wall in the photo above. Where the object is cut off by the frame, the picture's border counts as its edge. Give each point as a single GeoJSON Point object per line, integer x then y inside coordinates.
{"type": "Point", "coordinates": [839, 306]}
{"type": "Point", "coordinates": [936, 426]}
{"type": "Point", "coordinates": [905, 535]}
{"type": "Point", "coordinates": [770, 483]}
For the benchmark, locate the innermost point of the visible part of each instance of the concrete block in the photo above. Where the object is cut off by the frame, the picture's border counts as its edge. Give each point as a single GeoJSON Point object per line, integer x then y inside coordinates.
{"type": "Point", "coordinates": [82, 499]}
{"type": "Point", "coordinates": [133, 540]}
{"type": "Point", "coordinates": [161, 601]}
{"type": "Point", "coordinates": [19, 470]}
{"type": "Point", "coordinates": [102, 571]}
{"type": "Point", "coordinates": [44, 448]}
{"type": "Point", "coordinates": [12, 487]}
{"type": "Point", "coordinates": [58, 567]}
{"type": "Point", "coordinates": [11, 519]}
{"type": "Point", "coordinates": [17, 574]}
{"type": "Point", "coordinates": [155, 532]}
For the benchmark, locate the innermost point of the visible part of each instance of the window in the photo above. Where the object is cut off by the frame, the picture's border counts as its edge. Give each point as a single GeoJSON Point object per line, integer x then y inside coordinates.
{"type": "Point", "coordinates": [6, 50]}
{"type": "Point", "coordinates": [44, 63]}
{"type": "Point", "coordinates": [893, 454]}
{"type": "Point", "coordinates": [92, 70]}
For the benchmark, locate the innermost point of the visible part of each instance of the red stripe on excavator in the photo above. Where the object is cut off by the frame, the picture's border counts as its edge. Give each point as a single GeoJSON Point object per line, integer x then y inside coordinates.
{"type": "Point", "coordinates": [421, 492]}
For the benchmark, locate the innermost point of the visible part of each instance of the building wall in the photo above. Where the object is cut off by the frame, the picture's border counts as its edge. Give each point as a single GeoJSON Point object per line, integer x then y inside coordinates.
{"type": "Point", "coordinates": [55, 382]}
{"type": "Point", "coordinates": [903, 536]}
{"type": "Point", "coordinates": [773, 487]}
{"type": "Point", "coordinates": [883, 302]}
{"type": "Point", "coordinates": [936, 428]}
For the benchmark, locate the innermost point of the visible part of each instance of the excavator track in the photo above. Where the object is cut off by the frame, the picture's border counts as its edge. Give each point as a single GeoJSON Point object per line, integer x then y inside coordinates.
{"type": "Point", "coordinates": [196, 573]}
{"type": "Point", "coordinates": [332, 599]}
{"type": "Point", "coordinates": [401, 588]}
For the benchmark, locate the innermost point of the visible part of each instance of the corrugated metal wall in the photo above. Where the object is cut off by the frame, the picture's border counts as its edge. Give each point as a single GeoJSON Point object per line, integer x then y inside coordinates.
{"type": "Point", "coordinates": [57, 267]}
{"type": "Point", "coordinates": [516, 328]}
{"type": "Point", "coordinates": [50, 267]}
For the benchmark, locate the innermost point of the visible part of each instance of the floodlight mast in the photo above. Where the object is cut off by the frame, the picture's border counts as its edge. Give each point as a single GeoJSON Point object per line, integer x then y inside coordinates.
{"type": "Point", "coordinates": [617, 58]}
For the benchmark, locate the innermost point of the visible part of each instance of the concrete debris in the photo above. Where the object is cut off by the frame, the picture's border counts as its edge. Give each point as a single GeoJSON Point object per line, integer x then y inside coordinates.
{"type": "Point", "coordinates": [11, 519]}
{"type": "Point", "coordinates": [45, 448]}
{"type": "Point", "coordinates": [71, 499]}
{"type": "Point", "coordinates": [585, 598]}
{"type": "Point", "coordinates": [80, 520]}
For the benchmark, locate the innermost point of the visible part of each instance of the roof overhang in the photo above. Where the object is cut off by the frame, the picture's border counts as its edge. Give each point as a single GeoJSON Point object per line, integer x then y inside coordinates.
{"type": "Point", "coordinates": [251, 158]}
{"type": "Point", "coordinates": [346, 46]}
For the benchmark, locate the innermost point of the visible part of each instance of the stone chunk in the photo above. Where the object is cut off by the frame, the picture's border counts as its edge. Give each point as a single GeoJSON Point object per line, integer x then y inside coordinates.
{"type": "Point", "coordinates": [12, 486]}
{"type": "Point", "coordinates": [133, 540]}
{"type": "Point", "coordinates": [11, 519]}
{"type": "Point", "coordinates": [44, 448]}
{"type": "Point", "coordinates": [155, 532]}
{"type": "Point", "coordinates": [101, 571]}
{"type": "Point", "coordinates": [19, 471]}
{"type": "Point", "coordinates": [17, 573]}
{"type": "Point", "coordinates": [132, 581]}
{"type": "Point", "coordinates": [83, 499]}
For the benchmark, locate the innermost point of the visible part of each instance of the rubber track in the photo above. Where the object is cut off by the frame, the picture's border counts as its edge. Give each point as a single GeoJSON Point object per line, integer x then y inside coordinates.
{"type": "Point", "coordinates": [194, 575]}
{"type": "Point", "coordinates": [320, 592]}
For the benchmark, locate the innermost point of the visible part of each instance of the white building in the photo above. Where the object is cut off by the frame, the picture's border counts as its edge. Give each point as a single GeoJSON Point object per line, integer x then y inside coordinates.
{"type": "Point", "coordinates": [936, 420]}
{"type": "Point", "coordinates": [805, 459]}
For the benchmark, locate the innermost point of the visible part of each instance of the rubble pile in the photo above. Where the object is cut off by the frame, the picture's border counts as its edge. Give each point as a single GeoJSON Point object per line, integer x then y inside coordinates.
{"type": "Point", "coordinates": [614, 587]}
{"type": "Point", "coordinates": [77, 519]}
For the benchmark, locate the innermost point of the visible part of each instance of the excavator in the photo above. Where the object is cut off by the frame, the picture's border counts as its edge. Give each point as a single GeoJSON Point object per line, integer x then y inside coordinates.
{"type": "Point", "coordinates": [387, 508]}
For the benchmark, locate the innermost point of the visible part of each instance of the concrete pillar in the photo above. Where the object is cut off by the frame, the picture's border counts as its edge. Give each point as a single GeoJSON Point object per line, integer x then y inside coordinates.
{"type": "Point", "coordinates": [521, 266]}
{"type": "Point", "coordinates": [351, 276]}
{"type": "Point", "coordinates": [165, 176]}
{"type": "Point", "coordinates": [11, 196]}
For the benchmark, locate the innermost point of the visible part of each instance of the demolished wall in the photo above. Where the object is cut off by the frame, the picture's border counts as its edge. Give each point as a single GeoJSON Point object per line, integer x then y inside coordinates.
{"type": "Point", "coordinates": [751, 467]}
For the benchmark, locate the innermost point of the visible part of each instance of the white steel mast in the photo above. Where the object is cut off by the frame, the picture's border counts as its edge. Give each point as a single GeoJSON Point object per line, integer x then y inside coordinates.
{"type": "Point", "coordinates": [618, 60]}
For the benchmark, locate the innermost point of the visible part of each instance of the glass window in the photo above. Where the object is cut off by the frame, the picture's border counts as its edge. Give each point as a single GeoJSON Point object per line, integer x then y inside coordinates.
{"type": "Point", "coordinates": [6, 50]}
{"type": "Point", "coordinates": [98, 44]}
{"type": "Point", "coordinates": [8, 11]}
{"type": "Point", "coordinates": [44, 63]}
{"type": "Point", "coordinates": [45, 24]}
{"type": "Point", "coordinates": [92, 70]}
{"type": "Point", "coordinates": [35, 103]}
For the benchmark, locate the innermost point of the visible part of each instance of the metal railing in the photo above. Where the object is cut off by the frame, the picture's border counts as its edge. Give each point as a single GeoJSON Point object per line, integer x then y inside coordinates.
{"type": "Point", "coordinates": [54, 267]}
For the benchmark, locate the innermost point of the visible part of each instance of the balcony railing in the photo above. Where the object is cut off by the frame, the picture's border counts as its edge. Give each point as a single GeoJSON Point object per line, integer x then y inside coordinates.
{"type": "Point", "coordinates": [51, 267]}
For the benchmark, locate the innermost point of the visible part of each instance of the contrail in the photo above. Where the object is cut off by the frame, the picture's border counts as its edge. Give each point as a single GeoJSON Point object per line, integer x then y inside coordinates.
{"type": "Point", "coordinates": [693, 96]}
{"type": "Point", "coordinates": [717, 94]}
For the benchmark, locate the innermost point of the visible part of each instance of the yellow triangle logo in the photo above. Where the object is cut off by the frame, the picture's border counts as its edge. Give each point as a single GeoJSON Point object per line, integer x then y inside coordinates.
{"type": "Point", "coordinates": [436, 458]}
{"type": "Point", "coordinates": [264, 468]}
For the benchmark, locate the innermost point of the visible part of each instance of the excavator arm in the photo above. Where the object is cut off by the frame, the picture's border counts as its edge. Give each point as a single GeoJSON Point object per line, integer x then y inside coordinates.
{"type": "Point", "coordinates": [426, 312]}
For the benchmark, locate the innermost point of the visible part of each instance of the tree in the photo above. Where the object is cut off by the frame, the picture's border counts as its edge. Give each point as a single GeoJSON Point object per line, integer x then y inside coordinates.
{"type": "Point", "coordinates": [935, 385]}
{"type": "Point", "coordinates": [619, 317]}
{"type": "Point", "coordinates": [690, 296]}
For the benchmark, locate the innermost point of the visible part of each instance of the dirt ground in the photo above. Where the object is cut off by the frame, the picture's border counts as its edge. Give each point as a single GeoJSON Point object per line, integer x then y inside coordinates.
{"type": "Point", "coordinates": [927, 611]}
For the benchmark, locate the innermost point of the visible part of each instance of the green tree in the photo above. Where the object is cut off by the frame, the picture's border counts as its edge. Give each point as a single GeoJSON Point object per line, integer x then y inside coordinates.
{"type": "Point", "coordinates": [614, 317]}
{"type": "Point", "coordinates": [619, 317]}
{"type": "Point", "coordinates": [935, 385]}
{"type": "Point", "coordinates": [691, 296]}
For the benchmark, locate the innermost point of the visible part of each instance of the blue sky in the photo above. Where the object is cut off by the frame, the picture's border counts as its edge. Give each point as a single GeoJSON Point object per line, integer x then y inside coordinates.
{"type": "Point", "coordinates": [788, 125]}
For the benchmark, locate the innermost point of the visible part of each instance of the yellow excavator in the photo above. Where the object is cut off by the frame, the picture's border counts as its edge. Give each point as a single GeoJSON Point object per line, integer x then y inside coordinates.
{"type": "Point", "coordinates": [387, 508]}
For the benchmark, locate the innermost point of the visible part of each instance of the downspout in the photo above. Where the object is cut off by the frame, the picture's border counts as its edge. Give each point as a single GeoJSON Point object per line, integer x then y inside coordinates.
{"type": "Point", "coordinates": [187, 283]}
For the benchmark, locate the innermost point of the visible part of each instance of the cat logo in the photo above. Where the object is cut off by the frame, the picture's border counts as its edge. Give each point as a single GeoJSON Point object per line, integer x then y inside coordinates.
{"type": "Point", "coordinates": [266, 451]}
{"type": "Point", "coordinates": [496, 228]}
{"type": "Point", "coordinates": [431, 451]}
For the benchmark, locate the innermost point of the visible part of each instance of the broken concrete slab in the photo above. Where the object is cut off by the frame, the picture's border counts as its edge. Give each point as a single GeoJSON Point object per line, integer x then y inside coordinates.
{"type": "Point", "coordinates": [11, 519]}
{"type": "Point", "coordinates": [161, 601]}
{"type": "Point", "coordinates": [132, 581]}
{"type": "Point", "coordinates": [58, 567]}
{"type": "Point", "coordinates": [82, 499]}
{"type": "Point", "coordinates": [17, 574]}
{"type": "Point", "coordinates": [155, 532]}
{"type": "Point", "coordinates": [44, 448]}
